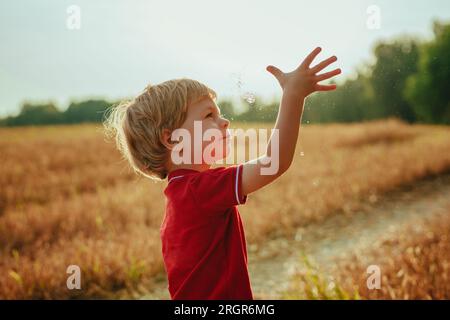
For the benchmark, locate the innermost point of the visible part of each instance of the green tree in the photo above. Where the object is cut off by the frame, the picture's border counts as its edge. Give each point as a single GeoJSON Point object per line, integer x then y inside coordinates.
{"type": "Point", "coordinates": [258, 110]}
{"type": "Point", "coordinates": [227, 109]}
{"type": "Point", "coordinates": [395, 62]}
{"type": "Point", "coordinates": [30, 114]}
{"type": "Point", "coordinates": [86, 111]}
{"type": "Point", "coordinates": [429, 91]}
{"type": "Point", "coordinates": [351, 101]}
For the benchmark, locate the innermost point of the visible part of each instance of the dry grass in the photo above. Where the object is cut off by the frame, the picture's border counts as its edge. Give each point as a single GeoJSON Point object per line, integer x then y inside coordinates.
{"type": "Point", "coordinates": [391, 131]}
{"type": "Point", "coordinates": [414, 263]}
{"type": "Point", "coordinates": [309, 282]}
{"type": "Point", "coordinates": [67, 198]}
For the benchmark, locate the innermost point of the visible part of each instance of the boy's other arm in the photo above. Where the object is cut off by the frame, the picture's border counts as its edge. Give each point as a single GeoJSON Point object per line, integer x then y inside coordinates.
{"type": "Point", "coordinates": [296, 86]}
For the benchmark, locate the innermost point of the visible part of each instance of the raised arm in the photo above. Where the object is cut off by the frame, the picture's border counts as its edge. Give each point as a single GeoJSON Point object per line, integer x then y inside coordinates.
{"type": "Point", "coordinates": [296, 86]}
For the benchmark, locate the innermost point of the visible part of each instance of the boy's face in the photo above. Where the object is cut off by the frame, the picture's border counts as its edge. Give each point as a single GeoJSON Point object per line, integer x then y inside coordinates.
{"type": "Point", "coordinates": [208, 130]}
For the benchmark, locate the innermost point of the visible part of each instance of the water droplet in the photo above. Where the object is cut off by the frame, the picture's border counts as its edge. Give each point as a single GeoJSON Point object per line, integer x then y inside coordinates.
{"type": "Point", "coordinates": [302, 154]}
{"type": "Point", "coordinates": [249, 97]}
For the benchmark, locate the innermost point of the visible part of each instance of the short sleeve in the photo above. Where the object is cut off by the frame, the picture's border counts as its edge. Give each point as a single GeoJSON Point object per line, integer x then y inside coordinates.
{"type": "Point", "coordinates": [219, 188]}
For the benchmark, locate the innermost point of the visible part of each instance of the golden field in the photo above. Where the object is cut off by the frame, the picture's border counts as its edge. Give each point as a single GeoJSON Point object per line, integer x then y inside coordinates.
{"type": "Point", "coordinates": [415, 264]}
{"type": "Point", "coordinates": [68, 198]}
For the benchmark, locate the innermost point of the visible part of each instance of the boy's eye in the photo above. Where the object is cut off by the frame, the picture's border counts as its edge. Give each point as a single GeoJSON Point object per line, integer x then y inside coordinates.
{"type": "Point", "coordinates": [209, 115]}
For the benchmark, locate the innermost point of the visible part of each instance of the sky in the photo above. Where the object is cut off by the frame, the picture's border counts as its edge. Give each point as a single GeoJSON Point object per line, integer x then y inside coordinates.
{"type": "Point", "coordinates": [122, 46]}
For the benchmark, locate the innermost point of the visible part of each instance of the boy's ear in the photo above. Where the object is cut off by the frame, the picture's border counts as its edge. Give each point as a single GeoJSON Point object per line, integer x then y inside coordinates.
{"type": "Point", "coordinates": [166, 139]}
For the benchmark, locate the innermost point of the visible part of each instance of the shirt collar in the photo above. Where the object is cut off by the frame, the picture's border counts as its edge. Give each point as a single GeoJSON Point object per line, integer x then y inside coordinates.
{"type": "Point", "coordinates": [180, 172]}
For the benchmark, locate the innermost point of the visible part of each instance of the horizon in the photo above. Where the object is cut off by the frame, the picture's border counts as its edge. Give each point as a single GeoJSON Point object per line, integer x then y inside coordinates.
{"type": "Point", "coordinates": [120, 49]}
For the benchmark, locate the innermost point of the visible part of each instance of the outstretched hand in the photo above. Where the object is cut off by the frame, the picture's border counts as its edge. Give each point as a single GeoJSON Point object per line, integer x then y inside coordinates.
{"type": "Point", "coordinates": [304, 80]}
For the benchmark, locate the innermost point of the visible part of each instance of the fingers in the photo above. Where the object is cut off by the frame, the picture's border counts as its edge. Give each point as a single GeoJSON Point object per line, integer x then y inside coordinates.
{"type": "Point", "coordinates": [277, 73]}
{"type": "Point", "coordinates": [309, 59]}
{"type": "Point", "coordinates": [327, 75]}
{"type": "Point", "coordinates": [323, 64]}
{"type": "Point", "coordinates": [320, 87]}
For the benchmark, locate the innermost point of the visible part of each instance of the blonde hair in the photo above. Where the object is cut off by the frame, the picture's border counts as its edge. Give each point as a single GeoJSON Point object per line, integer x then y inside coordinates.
{"type": "Point", "coordinates": [137, 125]}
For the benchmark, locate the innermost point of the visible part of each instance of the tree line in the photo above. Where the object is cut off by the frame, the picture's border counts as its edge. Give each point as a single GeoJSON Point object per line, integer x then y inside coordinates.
{"type": "Point", "coordinates": [49, 113]}
{"type": "Point", "coordinates": [409, 79]}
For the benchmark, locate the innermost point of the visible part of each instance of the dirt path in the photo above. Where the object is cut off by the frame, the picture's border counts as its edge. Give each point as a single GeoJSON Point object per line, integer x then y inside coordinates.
{"type": "Point", "coordinates": [271, 267]}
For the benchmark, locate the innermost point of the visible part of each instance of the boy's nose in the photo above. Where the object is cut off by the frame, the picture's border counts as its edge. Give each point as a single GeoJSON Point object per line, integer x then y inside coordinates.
{"type": "Point", "coordinates": [225, 123]}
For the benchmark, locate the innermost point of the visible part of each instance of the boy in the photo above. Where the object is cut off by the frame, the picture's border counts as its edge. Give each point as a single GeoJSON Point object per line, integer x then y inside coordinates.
{"type": "Point", "coordinates": [203, 240]}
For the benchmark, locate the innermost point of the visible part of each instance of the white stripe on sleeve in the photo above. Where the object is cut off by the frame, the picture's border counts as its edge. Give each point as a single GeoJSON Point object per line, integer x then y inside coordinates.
{"type": "Point", "coordinates": [237, 184]}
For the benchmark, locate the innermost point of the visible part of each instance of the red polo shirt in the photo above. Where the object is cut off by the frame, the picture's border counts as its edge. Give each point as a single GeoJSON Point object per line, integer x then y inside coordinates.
{"type": "Point", "coordinates": [203, 240]}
